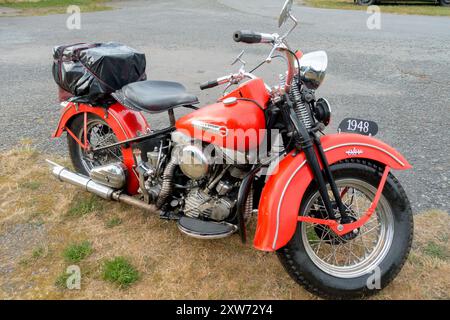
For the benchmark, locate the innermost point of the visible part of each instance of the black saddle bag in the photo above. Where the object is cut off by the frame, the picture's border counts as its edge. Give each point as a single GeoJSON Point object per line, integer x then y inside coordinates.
{"type": "Point", "coordinates": [93, 71]}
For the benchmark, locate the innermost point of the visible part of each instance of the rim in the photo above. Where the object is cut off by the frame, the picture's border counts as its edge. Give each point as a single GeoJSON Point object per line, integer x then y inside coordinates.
{"type": "Point", "coordinates": [354, 254]}
{"type": "Point", "coordinates": [99, 134]}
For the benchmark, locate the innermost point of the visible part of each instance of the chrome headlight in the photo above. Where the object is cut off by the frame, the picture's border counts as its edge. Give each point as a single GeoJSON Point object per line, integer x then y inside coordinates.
{"type": "Point", "coordinates": [313, 67]}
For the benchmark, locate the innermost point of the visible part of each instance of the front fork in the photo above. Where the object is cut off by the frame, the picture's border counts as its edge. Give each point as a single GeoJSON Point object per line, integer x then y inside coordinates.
{"type": "Point", "coordinates": [306, 142]}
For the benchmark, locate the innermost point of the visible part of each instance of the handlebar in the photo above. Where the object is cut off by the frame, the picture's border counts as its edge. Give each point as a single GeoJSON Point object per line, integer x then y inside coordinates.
{"type": "Point", "coordinates": [278, 43]}
{"type": "Point", "coordinates": [232, 78]}
{"type": "Point", "coordinates": [215, 83]}
{"type": "Point", "coordinates": [209, 84]}
{"type": "Point", "coordinates": [247, 36]}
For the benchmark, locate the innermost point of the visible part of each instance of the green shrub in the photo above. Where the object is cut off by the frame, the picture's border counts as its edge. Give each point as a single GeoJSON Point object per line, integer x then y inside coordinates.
{"type": "Point", "coordinates": [120, 271]}
{"type": "Point", "coordinates": [77, 251]}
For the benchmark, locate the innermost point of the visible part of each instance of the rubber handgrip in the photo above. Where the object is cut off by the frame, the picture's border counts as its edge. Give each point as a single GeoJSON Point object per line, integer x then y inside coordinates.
{"type": "Point", "coordinates": [209, 84]}
{"type": "Point", "coordinates": [247, 36]}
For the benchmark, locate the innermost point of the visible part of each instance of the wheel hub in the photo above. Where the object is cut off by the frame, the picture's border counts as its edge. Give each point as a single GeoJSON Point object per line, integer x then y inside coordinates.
{"type": "Point", "coordinates": [325, 233]}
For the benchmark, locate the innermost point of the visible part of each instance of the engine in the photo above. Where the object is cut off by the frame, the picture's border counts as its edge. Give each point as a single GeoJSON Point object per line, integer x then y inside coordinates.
{"type": "Point", "coordinates": [193, 182]}
{"type": "Point", "coordinates": [200, 204]}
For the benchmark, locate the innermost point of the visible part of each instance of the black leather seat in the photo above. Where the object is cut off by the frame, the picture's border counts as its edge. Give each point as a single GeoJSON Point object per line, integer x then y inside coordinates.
{"type": "Point", "coordinates": [154, 96]}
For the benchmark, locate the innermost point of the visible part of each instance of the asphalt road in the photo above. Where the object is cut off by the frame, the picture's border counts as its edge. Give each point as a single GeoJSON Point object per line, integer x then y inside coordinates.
{"type": "Point", "coordinates": [398, 76]}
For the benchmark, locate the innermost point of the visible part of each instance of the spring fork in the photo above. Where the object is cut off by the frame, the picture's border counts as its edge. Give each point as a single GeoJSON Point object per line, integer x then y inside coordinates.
{"type": "Point", "coordinates": [329, 176]}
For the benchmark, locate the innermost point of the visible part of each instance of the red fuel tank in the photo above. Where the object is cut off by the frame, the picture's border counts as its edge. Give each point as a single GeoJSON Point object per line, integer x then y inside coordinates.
{"type": "Point", "coordinates": [233, 123]}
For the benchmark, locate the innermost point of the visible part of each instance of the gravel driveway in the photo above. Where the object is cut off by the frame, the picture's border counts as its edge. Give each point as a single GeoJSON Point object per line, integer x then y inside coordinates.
{"type": "Point", "coordinates": [398, 76]}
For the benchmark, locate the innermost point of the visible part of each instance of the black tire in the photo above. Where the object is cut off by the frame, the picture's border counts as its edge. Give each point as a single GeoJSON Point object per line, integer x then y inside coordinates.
{"type": "Point", "coordinates": [444, 3]}
{"type": "Point", "coordinates": [76, 153]}
{"type": "Point", "coordinates": [304, 271]}
{"type": "Point", "coordinates": [366, 2]}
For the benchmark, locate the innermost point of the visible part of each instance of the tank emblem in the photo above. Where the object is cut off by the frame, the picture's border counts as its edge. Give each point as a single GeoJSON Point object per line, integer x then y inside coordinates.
{"type": "Point", "coordinates": [220, 130]}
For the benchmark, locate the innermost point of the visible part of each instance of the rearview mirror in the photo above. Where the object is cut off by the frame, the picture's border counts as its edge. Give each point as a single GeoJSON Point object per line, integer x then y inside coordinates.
{"type": "Point", "coordinates": [285, 12]}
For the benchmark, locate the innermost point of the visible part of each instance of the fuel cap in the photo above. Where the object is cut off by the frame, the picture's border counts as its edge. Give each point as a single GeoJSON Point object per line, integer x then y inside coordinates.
{"type": "Point", "coordinates": [229, 101]}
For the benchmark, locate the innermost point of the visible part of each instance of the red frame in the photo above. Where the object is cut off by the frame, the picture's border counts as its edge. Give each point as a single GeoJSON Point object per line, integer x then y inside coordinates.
{"type": "Point", "coordinates": [124, 122]}
{"type": "Point", "coordinates": [282, 195]}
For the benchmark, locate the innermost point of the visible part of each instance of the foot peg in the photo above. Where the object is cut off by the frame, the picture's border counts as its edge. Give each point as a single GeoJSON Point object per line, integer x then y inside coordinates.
{"type": "Point", "coordinates": [205, 229]}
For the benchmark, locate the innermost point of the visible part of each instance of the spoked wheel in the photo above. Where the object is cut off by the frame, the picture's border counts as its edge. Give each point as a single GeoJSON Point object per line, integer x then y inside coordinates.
{"type": "Point", "coordinates": [358, 263]}
{"type": "Point", "coordinates": [98, 134]}
{"type": "Point", "coordinates": [350, 255]}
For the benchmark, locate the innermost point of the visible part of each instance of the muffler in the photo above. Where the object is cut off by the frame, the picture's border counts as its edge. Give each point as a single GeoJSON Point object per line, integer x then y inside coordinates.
{"type": "Point", "coordinates": [106, 192]}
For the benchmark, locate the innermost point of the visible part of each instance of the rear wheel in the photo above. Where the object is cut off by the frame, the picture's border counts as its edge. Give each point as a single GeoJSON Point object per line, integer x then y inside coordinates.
{"type": "Point", "coordinates": [358, 263]}
{"type": "Point", "coordinates": [444, 3]}
{"type": "Point", "coordinates": [99, 134]}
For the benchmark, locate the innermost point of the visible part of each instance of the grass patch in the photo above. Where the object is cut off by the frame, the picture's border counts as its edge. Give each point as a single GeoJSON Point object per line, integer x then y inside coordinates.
{"type": "Point", "coordinates": [76, 252]}
{"type": "Point", "coordinates": [435, 250]}
{"type": "Point", "coordinates": [120, 272]}
{"type": "Point", "coordinates": [428, 8]}
{"type": "Point", "coordinates": [42, 7]}
{"type": "Point", "coordinates": [83, 204]}
{"type": "Point", "coordinates": [31, 185]}
{"type": "Point", "coordinates": [113, 222]}
{"type": "Point", "coordinates": [38, 252]}
{"type": "Point", "coordinates": [61, 280]}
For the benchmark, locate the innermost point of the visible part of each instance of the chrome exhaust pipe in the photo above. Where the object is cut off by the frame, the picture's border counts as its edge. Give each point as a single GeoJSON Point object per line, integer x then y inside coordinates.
{"type": "Point", "coordinates": [65, 175]}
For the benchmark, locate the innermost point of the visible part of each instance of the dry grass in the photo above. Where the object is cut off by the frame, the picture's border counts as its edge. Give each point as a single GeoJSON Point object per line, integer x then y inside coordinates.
{"type": "Point", "coordinates": [170, 265]}
{"type": "Point", "coordinates": [427, 8]}
{"type": "Point", "coordinates": [44, 7]}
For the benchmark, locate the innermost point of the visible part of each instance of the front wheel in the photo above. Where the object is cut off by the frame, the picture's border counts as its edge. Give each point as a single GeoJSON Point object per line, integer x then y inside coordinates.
{"type": "Point", "coordinates": [364, 261]}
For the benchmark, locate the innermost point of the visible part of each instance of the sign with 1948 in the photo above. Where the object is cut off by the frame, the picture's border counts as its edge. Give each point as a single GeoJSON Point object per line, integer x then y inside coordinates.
{"type": "Point", "coordinates": [361, 126]}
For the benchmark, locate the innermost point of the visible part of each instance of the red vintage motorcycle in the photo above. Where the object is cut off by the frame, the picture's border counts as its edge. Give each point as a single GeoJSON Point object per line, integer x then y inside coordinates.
{"type": "Point", "coordinates": [328, 205]}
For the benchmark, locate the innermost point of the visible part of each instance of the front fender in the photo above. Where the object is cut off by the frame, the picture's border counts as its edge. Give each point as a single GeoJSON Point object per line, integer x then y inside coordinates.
{"type": "Point", "coordinates": [124, 122]}
{"type": "Point", "coordinates": [282, 195]}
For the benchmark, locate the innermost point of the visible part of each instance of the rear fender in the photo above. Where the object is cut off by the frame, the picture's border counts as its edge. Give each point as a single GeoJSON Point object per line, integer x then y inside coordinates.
{"type": "Point", "coordinates": [125, 123]}
{"type": "Point", "coordinates": [282, 195]}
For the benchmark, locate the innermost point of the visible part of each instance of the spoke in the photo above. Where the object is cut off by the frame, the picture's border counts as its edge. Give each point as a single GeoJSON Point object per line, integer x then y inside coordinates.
{"type": "Point", "coordinates": [370, 230]}
{"type": "Point", "coordinates": [358, 259]}
{"type": "Point", "coordinates": [327, 258]}
{"type": "Point", "coordinates": [321, 240]}
{"type": "Point", "coordinates": [334, 254]}
{"type": "Point", "coordinates": [114, 155]}
{"type": "Point", "coordinates": [364, 245]}
{"type": "Point", "coordinates": [342, 254]}
{"type": "Point", "coordinates": [99, 135]}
